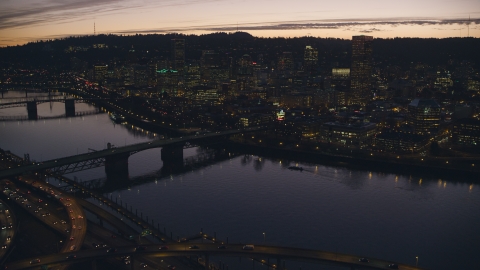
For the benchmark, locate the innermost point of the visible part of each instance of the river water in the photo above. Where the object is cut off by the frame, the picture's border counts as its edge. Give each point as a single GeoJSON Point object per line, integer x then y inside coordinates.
{"type": "Point", "coordinates": [253, 199]}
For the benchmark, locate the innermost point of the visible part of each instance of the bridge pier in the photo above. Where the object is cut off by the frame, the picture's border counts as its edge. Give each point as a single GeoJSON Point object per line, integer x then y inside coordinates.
{"type": "Point", "coordinates": [172, 157]}
{"type": "Point", "coordinates": [116, 167]}
{"type": "Point", "coordinates": [94, 265]}
{"type": "Point", "coordinates": [69, 107]}
{"type": "Point", "coordinates": [32, 110]}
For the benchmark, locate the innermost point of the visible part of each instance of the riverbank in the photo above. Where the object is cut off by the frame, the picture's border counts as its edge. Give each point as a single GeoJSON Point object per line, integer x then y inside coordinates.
{"type": "Point", "coordinates": [457, 170]}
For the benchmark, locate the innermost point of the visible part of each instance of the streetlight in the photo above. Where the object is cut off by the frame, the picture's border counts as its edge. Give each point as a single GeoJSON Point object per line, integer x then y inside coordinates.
{"type": "Point", "coordinates": [416, 264]}
{"type": "Point", "coordinates": [264, 240]}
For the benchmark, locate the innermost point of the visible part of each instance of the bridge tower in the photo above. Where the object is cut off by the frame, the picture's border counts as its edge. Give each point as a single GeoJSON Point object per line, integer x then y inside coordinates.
{"type": "Point", "coordinates": [69, 107]}
{"type": "Point", "coordinates": [32, 110]}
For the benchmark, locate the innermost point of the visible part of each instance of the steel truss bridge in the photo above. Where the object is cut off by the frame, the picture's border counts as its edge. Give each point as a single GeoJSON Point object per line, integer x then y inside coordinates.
{"type": "Point", "coordinates": [95, 159]}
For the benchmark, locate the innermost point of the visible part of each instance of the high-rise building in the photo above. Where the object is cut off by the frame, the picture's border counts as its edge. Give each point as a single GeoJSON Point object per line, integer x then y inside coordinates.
{"type": "Point", "coordinates": [361, 70]}
{"type": "Point", "coordinates": [424, 116]}
{"type": "Point", "coordinates": [178, 55]}
{"type": "Point", "coordinates": [99, 72]}
{"type": "Point", "coordinates": [245, 79]}
{"type": "Point", "coordinates": [310, 59]}
{"type": "Point", "coordinates": [285, 63]}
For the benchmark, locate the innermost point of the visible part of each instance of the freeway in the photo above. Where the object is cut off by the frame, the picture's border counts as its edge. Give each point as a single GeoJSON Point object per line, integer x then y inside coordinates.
{"type": "Point", "coordinates": [133, 148]}
{"type": "Point", "coordinates": [236, 250]}
{"type": "Point", "coordinates": [8, 228]}
{"type": "Point", "coordinates": [77, 225]}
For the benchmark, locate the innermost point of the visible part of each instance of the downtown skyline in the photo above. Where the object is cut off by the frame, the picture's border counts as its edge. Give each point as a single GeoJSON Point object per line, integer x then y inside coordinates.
{"type": "Point", "coordinates": [24, 21]}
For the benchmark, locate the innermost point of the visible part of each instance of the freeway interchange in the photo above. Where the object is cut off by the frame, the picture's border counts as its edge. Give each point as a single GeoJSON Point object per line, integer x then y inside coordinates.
{"type": "Point", "coordinates": [66, 215]}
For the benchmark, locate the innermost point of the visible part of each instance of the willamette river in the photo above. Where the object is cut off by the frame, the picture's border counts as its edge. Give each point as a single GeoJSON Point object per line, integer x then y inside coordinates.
{"type": "Point", "coordinates": [253, 199]}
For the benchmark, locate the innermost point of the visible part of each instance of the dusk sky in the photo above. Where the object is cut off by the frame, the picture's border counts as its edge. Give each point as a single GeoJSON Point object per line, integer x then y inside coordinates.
{"type": "Point", "coordinates": [22, 21]}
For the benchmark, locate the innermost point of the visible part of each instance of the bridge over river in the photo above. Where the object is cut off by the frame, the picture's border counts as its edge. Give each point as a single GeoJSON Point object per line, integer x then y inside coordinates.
{"type": "Point", "coordinates": [115, 159]}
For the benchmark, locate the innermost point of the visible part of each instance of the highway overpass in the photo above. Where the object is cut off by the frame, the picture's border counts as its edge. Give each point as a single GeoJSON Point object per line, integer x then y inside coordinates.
{"type": "Point", "coordinates": [235, 250]}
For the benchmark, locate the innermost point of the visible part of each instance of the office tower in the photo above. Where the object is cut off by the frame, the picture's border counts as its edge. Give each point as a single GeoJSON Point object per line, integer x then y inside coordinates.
{"type": "Point", "coordinates": [424, 116]}
{"type": "Point", "coordinates": [178, 55]}
{"type": "Point", "coordinates": [361, 70]}
{"type": "Point", "coordinates": [310, 59]}
{"type": "Point", "coordinates": [285, 63]}
{"type": "Point", "coordinates": [245, 79]}
{"type": "Point", "coordinates": [167, 82]}
{"type": "Point", "coordinates": [100, 71]}
{"type": "Point", "coordinates": [340, 84]}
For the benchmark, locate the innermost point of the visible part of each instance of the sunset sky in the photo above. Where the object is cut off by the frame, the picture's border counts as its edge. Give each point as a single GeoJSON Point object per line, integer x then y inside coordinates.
{"type": "Point", "coordinates": [22, 21]}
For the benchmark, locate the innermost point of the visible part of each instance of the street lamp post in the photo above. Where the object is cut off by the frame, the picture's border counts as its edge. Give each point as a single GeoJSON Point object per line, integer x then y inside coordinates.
{"type": "Point", "coordinates": [264, 239]}
{"type": "Point", "coordinates": [416, 264]}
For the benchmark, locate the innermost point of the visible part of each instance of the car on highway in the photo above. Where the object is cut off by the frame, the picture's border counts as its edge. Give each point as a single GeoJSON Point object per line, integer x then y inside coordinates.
{"type": "Point", "coordinates": [71, 256]}
{"type": "Point", "coordinates": [35, 261]}
{"type": "Point", "coordinates": [143, 265]}
{"type": "Point", "coordinates": [95, 245]}
{"type": "Point", "coordinates": [111, 250]}
{"type": "Point", "coordinates": [393, 266]}
{"type": "Point", "coordinates": [72, 238]}
{"type": "Point", "coordinates": [171, 266]}
{"type": "Point", "coordinates": [193, 247]}
{"type": "Point", "coordinates": [4, 246]}
{"type": "Point", "coordinates": [365, 260]}
{"type": "Point", "coordinates": [222, 247]}
{"type": "Point", "coordinates": [163, 247]}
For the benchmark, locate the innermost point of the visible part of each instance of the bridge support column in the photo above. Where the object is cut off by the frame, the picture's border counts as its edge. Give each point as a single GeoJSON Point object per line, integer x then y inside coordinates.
{"type": "Point", "coordinates": [279, 265]}
{"type": "Point", "coordinates": [207, 262]}
{"type": "Point", "coordinates": [94, 265]}
{"type": "Point", "coordinates": [32, 110]}
{"type": "Point", "coordinates": [172, 157]}
{"type": "Point", "coordinates": [69, 107]}
{"type": "Point", "coordinates": [116, 167]}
